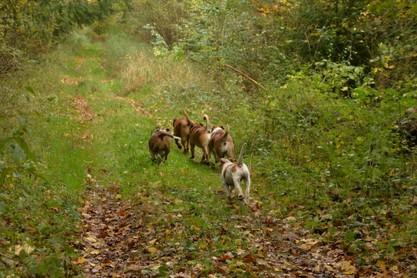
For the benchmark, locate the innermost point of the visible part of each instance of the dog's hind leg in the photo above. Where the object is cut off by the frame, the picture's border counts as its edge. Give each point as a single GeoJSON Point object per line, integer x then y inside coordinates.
{"type": "Point", "coordinates": [184, 142]}
{"type": "Point", "coordinates": [206, 156]}
{"type": "Point", "coordinates": [236, 181]}
{"type": "Point", "coordinates": [228, 191]}
{"type": "Point", "coordinates": [192, 148]}
{"type": "Point", "coordinates": [178, 143]}
{"type": "Point", "coordinates": [247, 182]}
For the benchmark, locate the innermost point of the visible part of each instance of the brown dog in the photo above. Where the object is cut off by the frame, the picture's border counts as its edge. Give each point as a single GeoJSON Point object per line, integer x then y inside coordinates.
{"type": "Point", "coordinates": [221, 144]}
{"type": "Point", "coordinates": [182, 130]}
{"type": "Point", "coordinates": [160, 144]}
{"type": "Point", "coordinates": [200, 137]}
{"type": "Point", "coordinates": [232, 173]}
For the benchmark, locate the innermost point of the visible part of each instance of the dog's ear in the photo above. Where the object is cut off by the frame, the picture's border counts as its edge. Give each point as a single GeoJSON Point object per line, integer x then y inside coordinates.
{"type": "Point", "coordinates": [224, 160]}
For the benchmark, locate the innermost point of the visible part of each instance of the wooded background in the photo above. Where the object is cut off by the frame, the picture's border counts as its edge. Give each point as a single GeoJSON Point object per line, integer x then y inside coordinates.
{"type": "Point", "coordinates": [324, 93]}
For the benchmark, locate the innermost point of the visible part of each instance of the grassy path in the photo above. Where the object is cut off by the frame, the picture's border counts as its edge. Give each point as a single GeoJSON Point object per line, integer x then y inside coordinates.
{"type": "Point", "coordinates": [139, 219]}
{"type": "Point", "coordinates": [110, 212]}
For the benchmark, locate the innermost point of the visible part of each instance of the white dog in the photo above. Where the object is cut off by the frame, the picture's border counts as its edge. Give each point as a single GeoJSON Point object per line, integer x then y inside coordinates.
{"type": "Point", "coordinates": [232, 173]}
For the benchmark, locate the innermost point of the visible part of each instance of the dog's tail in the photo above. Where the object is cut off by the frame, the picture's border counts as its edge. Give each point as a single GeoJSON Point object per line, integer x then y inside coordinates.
{"type": "Point", "coordinates": [225, 134]}
{"type": "Point", "coordinates": [189, 121]}
{"type": "Point", "coordinates": [208, 124]}
{"type": "Point", "coordinates": [162, 133]}
{"type": "Point", "coordinates": [240, 160]}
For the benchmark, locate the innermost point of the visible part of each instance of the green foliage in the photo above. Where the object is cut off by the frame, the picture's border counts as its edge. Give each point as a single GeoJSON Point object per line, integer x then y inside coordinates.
{"type": "Point", "coordinates": [231, 32]}
{"type": "Point", "coordinates": [32, 26]}
{"type": "Point", "coordinates": [160, 46]}
{"type": "Point", "coordinates": [269, 40]}
{"type": "Point", "coordinates": [341, 78]}
{"type": "Point", "coordinates": [321, 146]}
{"type": "Point", "coordinates": [163, 16]}
{"type": "Point", "coordinates": [16, 158]}
{"type": "Point", "coordinates": [33, 226]}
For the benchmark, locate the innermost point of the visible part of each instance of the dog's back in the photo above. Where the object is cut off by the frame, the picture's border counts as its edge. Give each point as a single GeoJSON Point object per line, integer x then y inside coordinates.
{"type": "Point", "coordinates": [232, 173]}
{"type": "Point", "coordinates": [221, 144]}
{"type": "Point", "coordinates": [182, 130]}
{"type": "Point", "coordinates": [200, 137]}
{"type": "Point", "coordinates": [160, 145]}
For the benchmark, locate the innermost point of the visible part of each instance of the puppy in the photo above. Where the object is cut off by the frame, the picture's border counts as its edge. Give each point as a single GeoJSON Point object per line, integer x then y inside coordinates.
{"type": "Point", "coordinates": [200, 137]}
{"type": "Point", "coordinates": [182, 130]}
{"type": "Point", "coordinates": [160, 144]}
{"type": "Point", "coordinates": [232, 173]}
{"type": "Point", "coordinates": [221, 144]}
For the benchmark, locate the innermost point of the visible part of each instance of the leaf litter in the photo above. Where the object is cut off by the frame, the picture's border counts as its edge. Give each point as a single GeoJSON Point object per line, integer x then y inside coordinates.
{"type": "Point", "coordinates": [141, 237]}
{"type": "Point", "coordinates": [109, 233]}
{"type": "Point", "coordinates": [120, 239]}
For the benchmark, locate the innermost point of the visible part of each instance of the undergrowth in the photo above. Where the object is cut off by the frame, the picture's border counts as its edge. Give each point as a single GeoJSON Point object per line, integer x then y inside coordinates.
{"type": "Point", "coordinates": [331, 164]}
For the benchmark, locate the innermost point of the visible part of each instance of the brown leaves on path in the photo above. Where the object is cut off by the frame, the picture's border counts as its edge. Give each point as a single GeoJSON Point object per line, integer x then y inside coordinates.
{"type": "Point", "coordinates": [109, 235]}
{"type": "Point", "coordinates": [83, 109]}
{"type": "Point", "coordinates": [152, 239]}
{"type": "Point", "coordinates": [138, 107]}
{"type": "Point", "coordinates": [121, 240]}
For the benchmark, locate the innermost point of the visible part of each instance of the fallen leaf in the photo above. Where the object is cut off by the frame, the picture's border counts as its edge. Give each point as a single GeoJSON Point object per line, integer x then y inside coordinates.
{"type": "Point", "coordinates": [133, 267]}
{"type": "Point", "coordinates": [291, 219]}
{"type": "Point", "coordinates": [381, 265]}
{"type": "Point", "coordinates": [308, 244]}
{"type": "Point", "coordinates": [91, 239]}
{"type": "Point", "coordinates": [155, 267]}
{"type": "Point", "coordinates": [25, 247]}
{"type": "Point", "coordinates": [81, 260]}
{"type": "Point", "coordinates": [348, 268]}
{"type": "Point", "coordinates": [414, 202]}
{"type": "Point", "coordinates": [227, 257]}
{"type": "Point", "coordinates": [249, 258]}
{"type": "Point", "coordinates": [152, 250]}
{"type": "Point", "coordinates": [152, 242]}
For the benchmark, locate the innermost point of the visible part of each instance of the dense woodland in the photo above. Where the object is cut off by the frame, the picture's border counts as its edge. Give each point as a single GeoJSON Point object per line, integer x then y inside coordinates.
{"type": "Point", "coordinates": [324, 93]}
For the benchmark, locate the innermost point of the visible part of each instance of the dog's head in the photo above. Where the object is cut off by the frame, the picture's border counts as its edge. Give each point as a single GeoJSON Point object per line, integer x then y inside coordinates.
{"type": "Point", "coordinates": [223, 161]}
{"type": "Point", "coordinates": [162, 132]}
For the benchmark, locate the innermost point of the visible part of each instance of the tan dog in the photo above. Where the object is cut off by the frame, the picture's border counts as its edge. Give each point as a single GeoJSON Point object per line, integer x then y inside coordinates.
{"type": "Point", "coordinates": [221, 144]}
{"type": "Point", "coordinates": [232, 173]}
{"type": "Point", "coordinates": [160, 144]}
{"type": "Point", "coordinates": [200, 137]}
{"type": "Point", "coordinates": [182, 130]}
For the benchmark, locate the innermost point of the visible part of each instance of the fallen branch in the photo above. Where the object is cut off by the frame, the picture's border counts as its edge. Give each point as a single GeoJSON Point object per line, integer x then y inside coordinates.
{"type": "Point", "coordinates": [246, 76]}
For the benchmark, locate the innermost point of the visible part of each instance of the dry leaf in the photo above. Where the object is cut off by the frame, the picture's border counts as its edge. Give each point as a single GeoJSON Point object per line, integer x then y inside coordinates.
{"type": "Point", "coordinates": [152, 250]}
{"type": "Point", "coordinates": [25, 247]}
{"type": "Point", "coordinates": [249, 258]}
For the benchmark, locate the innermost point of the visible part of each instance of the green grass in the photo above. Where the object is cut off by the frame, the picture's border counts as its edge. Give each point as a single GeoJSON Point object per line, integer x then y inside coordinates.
{"type": "Point", "coordinates": [328, 163]}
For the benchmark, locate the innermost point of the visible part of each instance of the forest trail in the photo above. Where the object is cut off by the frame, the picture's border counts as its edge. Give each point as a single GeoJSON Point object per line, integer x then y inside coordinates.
{"type": "Point", "coordinates": [167, 226]}
{"type": "Point", "coordinates": [125, 240]}
{"type": "Point", "coordinates": [142, 238]}
{"type": "Point", "coordinates": [325, 118]}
